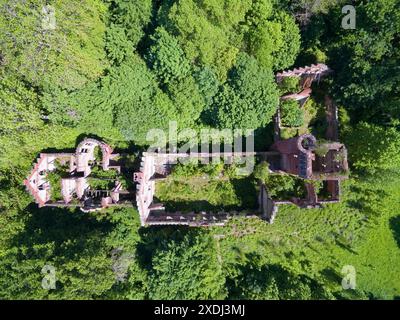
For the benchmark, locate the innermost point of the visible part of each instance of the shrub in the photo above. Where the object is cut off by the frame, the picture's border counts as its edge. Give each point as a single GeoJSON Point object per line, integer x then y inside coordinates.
{"type": "Point", "coordinates": [291, 114]}
{"type": "Point", "coordinates": [261, 172]}
{"type": "Point", "coordinates": [287, 133]}
{"type": "Point", "coordinates": [54, 179]}
{"type": "Point", "coordinates": [290, 85]}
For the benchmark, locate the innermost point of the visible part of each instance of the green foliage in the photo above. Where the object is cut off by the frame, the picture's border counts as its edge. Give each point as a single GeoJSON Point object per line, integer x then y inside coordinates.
{"type": "Point", "coordinates": [193, 169]}
{"type": "Point", "coordinates": [209, 62]}
{"type": "Point", "coordinates": [212, 187]}
{"type": "Point", "coordinates": [287, 53]}
{"type": "Point", "coordinates": [373, 148]}
{"type": "Point", "coordinates": [261, 172]}
{"type": "Point", "coordinates": [249, 99]}
{"type": "Point", "coordinates": [364, 60]}
{"type": "Point", "coordinates": [98, 172]}
{"type": "Point", "coordinates": [68, 56]}
{"type": "Point", "coordinates": [312, 55]}
{"type": "Point", "coordinates": [207, 30]}
{"type": "Point", "coordinates": [138, 104]}
{"type": "Point", "coordinates": [321, 149]}
{"type": "Point", "coordinates": [274, 41]}
{"type": "Point", "coordinates": [98, 154]}
{"type": "Point", "coordinates": [132, 17]}
{"type": "Point", "coordinates": [54, 178]}
{"type": "Point", "coordinates": [69, 242]}
{"type": "Point", "coordinates": [166, 57]}
{"type": "Point", "coordinates": [18, 108]}
{"type": "Point", "coordinates": [291, 114]}
{"type": "Point", "coordinates": [272, 282]}
{"type": "Point", "coordinates": [117, 44]}
{"type": "Point", "coordinates": [188, 101]}
{"type": "Point", "coordinates": [290, 85]}
{"type": "Point", "coordinates": [260, 11]}
{"type": "Point", "coordinates": [284, 186]}
{"type": "Point", "coordinates": [207, 83]}
{"type": "Point", "coordinates": [100, 184]}
{"type": "Point", "coordinates": [100, 179]}
{"type": "Point", "coordinates": [287, 133]}
{"type": "Point", "coordinates": [87, 110]}
{"type": "Point", "coordinates": [186, 269]}
{"type": "Point", "coordinates": [315, 244]}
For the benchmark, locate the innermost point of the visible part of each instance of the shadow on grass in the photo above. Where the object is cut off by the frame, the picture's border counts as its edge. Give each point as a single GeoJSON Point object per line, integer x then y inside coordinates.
{"type": "Point", "coordinates": [395, 227]}
{"type": "Point", "coordinates": [158, 238]}
{"type": "Point", "coordinates": [332, 275]}
{"type": "Point", "coordinates": [365, 199]}
{"type": "Point", "coordinates": [245, 193]}
{"type": "Point", "coordinates": [259, 281]}
{"type": "Point", "coordinates": [342, 243]}
{"type": "Point", "coordinates": [192, 206]}
{"type": "Point", "coordinates": [67, 233]}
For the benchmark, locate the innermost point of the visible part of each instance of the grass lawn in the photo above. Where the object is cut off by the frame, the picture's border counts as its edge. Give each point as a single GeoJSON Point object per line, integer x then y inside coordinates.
{"type": "Point", "coordinates": [360, 231]}
{"type": "Point", "coordinates": [378, 257]}
{"type": "Point", "coordinates": [201, 191]}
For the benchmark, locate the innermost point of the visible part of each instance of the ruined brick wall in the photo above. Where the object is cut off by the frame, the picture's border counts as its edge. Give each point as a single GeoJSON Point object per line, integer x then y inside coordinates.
{"type": "Point", "coordinates": [145, 186]}
{"type": "Point", "coordinates": [156, 166]}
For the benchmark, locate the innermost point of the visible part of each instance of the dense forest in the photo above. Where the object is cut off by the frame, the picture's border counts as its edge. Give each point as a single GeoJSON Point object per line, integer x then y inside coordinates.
{"type": "Point", "coordinates": [114, 69]}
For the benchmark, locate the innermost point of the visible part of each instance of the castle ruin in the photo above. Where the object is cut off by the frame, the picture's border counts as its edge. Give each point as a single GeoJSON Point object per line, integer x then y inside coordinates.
{"type": "Point", "coordinates": [302, 156]}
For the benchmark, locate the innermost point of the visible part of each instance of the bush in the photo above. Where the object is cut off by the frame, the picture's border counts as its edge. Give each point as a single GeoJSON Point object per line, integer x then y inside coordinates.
{"type": "Point", "coordinates": [54, 179]}
{"type": "Point", "coordinates": [290, 85]}
{"type": "Point", "coordinates": [373, 147]}
{"type": "Point", "coordinates": [261, 172]}
{"type": "Point", "coordinates": [291, 114]}
{"type": "Point", "coordinates": [288, 133]}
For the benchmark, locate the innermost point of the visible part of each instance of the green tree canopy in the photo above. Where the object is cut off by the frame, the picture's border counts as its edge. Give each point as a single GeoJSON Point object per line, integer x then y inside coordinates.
{"type": "Point", "coordinates": [374, 148]}
{"type": "Point", "coordinates": [208, 31]}
{"type": "Point", "coordinates": [187, 268]}
{"type": "Point", "coordinates": [131, 16]}
{"type": "Point", "coordinates": [366, 59]}
{"type": "Point", "coordinates": [137, 102]}
{"type": "Point", "coordinates": [273, 39]}
{"type": "Point", "coordinates": [249, 99]}
{"type": "Point", "coordinates": [291, 114]}
{"type": "Point", "coordinates": [166, 57]}
{"type": "Point", "coordinates": [67, 56]}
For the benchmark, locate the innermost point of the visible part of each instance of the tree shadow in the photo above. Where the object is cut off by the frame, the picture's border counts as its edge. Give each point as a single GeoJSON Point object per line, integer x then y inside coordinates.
{"type": "Point", "coordinates": [158, 238]}
{"type": "Point", "coordinates": [264, 137]}
{"type": "Point", "coordinates": [365, 197]}
{"type": "Point", "coordinates": [341, 242]}
{"type": "Point", "coordinates": [331, 275]}
{"type": "Point", "coordinates": [246, 192]}
{"type": "Point", "coordinates": [196, 206]}
{"type": "Point", "coordinates": [395, 227]}
{"type": "Point", "coordinates": [72, 149]}
{"type": "Point", "coordinates": [55, 150]}
{"type": "Point", "coordinates": [256, 280]}
{"type": "Point", "coordinates": [82, 136]}
{"type": "Point", "coordinates": [67, 232]}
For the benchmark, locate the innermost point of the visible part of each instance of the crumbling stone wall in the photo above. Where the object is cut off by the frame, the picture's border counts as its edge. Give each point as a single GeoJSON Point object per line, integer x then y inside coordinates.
{"type": "Point", "coordinates": [155, 166]}
{"type": "Point", "coordinates": [78, 170]}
